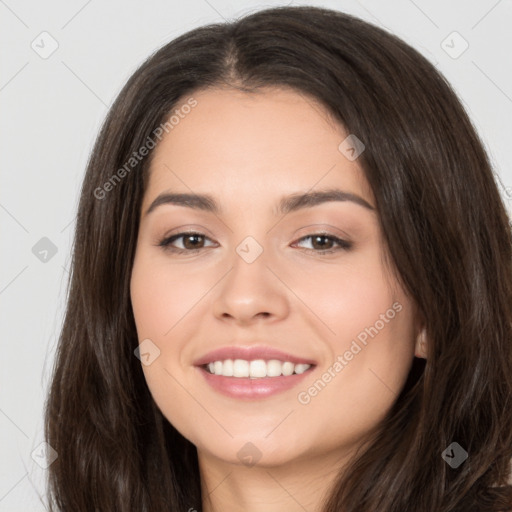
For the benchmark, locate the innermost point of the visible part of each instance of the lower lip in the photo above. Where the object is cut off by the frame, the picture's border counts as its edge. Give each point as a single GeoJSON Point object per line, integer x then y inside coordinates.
{"type": "Point", "coordinates": [247, 388]}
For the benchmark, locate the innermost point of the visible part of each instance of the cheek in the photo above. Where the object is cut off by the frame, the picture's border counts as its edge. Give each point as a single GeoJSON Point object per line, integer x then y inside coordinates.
{"type": "Point", "coordinates": [345, 297]}
{"type": "Point", "coordinates": [370, 361]}
{"type": "Point", "coordinates": [373, 326]}
{"type": "Point", "coordinates": [162, 295]}
{"type": "Point", "coordinates": [369, 345]}
{"type": "Point", "coordinates": [161, 298]}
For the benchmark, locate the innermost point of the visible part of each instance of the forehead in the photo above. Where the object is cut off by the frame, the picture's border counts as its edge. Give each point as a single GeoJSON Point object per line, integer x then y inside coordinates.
{"type": "Point", "coordinates": [239, 144]}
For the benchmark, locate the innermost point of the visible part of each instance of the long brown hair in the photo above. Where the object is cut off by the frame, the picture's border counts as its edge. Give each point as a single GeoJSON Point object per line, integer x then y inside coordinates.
{"type": "Point", "coordinates": [443, 221]}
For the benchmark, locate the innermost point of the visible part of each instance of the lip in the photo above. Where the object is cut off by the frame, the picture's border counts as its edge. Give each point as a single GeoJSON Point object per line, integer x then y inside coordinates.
{"type": "Point", "coordinates": [250, 354]}
{"type": "Point", "coordinates": [250, 389]}
{"type": "Point", "coordinates": [246, 387]}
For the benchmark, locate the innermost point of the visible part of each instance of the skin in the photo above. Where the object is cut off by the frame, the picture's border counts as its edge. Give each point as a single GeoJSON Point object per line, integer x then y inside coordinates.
{"type": "Point", "coordinates": [232, 145]}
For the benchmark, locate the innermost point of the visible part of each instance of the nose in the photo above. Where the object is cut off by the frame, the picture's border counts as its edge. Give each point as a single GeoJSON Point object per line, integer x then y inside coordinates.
{"type": "Point", "coordinates": [250, 292]}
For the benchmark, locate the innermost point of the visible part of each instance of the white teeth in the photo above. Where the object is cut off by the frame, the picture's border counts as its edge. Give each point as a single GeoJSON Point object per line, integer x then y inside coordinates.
{"type": "Point", "coordinates": [240, 368]}
{"type": "Point", "coordinates": [301, 368]}
{"type": "Point", "coordinates": [287, 368]}
{"type": "Point", "coordinates": [255, 369]}
{"type": "Point", "coordinates": [274, 368]}
{"type": "Point", "coordinates": [227, 368]}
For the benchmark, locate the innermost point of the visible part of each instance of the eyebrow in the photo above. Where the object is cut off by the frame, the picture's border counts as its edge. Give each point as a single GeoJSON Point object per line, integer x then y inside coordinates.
{"type": "Point", "coordinates": [287, 204]}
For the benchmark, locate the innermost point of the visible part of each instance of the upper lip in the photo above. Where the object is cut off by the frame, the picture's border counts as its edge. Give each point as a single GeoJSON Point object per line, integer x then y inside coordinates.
{"type": "Point", "coordinates": [250, 353]}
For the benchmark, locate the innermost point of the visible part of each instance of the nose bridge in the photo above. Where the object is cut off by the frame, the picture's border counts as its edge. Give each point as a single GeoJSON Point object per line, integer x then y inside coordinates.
{"type": "Point", "coordinates": [252, 242]}
{"type": "Point", "coordinates": [250, 288]}
{"type": "Point", "coordinates": [249, 268]}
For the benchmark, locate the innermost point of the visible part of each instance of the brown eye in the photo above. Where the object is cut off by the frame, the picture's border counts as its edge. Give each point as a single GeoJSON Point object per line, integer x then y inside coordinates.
{"type": "Point", "coordinates": [191, 242]}
{"type": "Point", "coordinates": [318, 242]}
{"type": "Point", "coordinates": [323, 243]}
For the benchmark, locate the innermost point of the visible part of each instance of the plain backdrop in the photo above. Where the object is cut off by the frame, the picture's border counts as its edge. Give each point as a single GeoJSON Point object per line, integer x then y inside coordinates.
{"type": "Point", "coordinates": [61, 66]}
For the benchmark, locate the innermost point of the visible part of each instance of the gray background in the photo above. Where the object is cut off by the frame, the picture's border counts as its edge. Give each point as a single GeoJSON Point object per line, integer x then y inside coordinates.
{"type": "Point", "coordinates": [52, 107]}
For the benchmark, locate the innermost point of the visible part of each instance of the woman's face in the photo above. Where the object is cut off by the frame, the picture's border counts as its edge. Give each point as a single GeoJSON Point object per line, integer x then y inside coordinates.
{"type": "Point", "coordinates": [266, 277]}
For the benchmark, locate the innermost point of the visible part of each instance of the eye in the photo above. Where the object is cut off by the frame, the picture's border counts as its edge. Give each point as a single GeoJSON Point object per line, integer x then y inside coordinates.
{"type": "Point", "coordinates": [191, 242]}
{"type": "Point", "coordinates": [317, 241]}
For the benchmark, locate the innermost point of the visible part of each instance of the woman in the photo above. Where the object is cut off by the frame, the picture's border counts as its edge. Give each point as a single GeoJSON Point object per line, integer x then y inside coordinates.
{"type": "Point", "coordinates": [216, 354]}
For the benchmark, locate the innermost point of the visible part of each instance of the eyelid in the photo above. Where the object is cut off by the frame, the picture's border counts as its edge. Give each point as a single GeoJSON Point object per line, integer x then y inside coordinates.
{"type": "Point", "coordinates": [188, 228]}
{"type": "Point", "coordinates": [321, 227]}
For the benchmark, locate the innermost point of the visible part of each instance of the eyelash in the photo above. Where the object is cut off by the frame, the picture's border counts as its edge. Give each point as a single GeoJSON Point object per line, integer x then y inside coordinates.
{"type": "Point", "coordinates": [165, 243]}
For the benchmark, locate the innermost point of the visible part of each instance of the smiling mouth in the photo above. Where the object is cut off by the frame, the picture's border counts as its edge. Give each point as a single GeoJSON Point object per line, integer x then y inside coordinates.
{"type": "Point", "coordinates": [255, 369]}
